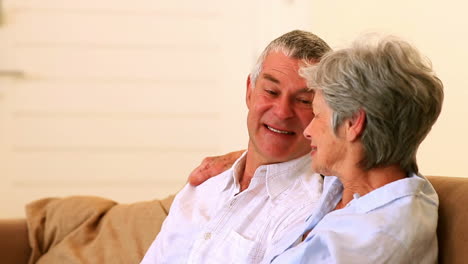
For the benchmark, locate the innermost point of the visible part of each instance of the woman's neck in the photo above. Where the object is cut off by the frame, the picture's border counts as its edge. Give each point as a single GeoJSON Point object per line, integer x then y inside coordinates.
{"type": "Point", "coordinates": [364, 181]}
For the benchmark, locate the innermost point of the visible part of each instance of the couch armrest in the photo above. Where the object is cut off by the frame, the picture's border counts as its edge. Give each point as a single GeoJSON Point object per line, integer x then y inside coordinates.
{"type": "Point", "coordinates": [14, 243]}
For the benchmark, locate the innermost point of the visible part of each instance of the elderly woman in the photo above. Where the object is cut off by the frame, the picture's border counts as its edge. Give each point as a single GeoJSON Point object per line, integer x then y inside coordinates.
{"type": "Point", "coordinates": [374, 104]}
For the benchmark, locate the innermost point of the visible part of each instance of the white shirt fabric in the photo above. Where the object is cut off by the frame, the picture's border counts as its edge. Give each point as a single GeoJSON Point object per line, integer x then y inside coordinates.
{"type": "Point", "coordinates": [214, 223]}
{"type": "Point", "coordinates": [395, 223]}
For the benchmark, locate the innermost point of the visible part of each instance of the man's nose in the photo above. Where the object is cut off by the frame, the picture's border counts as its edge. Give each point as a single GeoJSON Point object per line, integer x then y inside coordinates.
{"type": "Point", "coordinates": [284, 108]}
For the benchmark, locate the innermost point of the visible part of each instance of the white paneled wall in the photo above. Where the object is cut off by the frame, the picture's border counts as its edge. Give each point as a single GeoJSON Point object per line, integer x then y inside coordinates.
{"type": "Point", "coordinates": [119, 99]}
{"type": "Point", "coordinates": [123, 98]}
{"type": "Point", "coordinates": [440, 31]}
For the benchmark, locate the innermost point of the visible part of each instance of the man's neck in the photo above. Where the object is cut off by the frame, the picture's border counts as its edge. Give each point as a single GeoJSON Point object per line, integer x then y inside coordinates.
{"type": "Point", "coordinates": [252, 162]}
{"type": "Point", "coordinates": [247, 173]}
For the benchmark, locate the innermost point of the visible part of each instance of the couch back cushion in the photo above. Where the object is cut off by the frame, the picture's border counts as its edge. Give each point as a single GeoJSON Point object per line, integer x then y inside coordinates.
{"type": "Point", "coordinates": [452, 230]}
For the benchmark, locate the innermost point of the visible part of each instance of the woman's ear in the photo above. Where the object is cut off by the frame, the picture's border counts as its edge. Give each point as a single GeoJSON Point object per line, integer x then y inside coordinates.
{"type": "Point", "coordinates": [355, 125]}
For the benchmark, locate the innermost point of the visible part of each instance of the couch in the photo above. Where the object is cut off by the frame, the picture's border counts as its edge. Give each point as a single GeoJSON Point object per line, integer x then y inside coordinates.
{"type": "Point", "coordinates": [97, 230]}
{"type": "Point", "coordinates": [452, 230]}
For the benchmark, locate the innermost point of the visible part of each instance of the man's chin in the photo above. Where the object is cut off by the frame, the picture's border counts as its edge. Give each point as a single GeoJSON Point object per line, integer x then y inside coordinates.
{"type": "Point", "coordinates": [281, 156]}
{"type": "Point", "coordinates": [275, 152]}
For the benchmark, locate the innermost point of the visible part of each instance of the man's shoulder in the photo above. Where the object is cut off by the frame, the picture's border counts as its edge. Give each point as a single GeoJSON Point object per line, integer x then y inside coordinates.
{"type": "Point", "coordinates": [309, 177]}
{"type": "Point", "coordinates": [210, 187]}
{"type": "Point", "coordinates": [311, 182]}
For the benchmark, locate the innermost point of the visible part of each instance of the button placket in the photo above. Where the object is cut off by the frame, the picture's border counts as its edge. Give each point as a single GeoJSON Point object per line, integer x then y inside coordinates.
{"type": "Point", "coordinates": [233, 201]}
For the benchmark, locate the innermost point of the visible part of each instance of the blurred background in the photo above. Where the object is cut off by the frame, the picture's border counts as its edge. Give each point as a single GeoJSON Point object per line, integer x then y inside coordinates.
{"type": "Point", "coordinates": [122, 99]}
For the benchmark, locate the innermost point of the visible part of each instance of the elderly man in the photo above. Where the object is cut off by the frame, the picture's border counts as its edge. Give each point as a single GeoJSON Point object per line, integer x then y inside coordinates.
{"type": "Point", "coordinates": [271, 188]}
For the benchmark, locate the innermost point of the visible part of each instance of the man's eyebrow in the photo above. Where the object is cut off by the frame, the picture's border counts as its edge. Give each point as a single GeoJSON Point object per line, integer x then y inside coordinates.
{"type": "Point", "coordinates": [270, 78]}
{"type": "Point", "coordinates": [273, 79]}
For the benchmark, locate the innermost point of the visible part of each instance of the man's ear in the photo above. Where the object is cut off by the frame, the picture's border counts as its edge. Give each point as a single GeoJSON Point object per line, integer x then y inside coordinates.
{"type": "Point", "coordinates": [355, 125]}
{"type": "Point", "coordinates": [248, 92]}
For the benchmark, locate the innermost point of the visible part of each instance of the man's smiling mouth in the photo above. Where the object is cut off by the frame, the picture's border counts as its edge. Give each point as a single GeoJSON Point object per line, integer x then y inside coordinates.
{"type": "Point", "coordinates": [279, 131]}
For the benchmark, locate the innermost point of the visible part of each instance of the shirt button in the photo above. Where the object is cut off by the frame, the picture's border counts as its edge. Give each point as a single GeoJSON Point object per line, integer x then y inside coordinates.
{"type": "Point", "coordinates": [232, 202]}
{"type": "Point", "coordinates": [207, 236]}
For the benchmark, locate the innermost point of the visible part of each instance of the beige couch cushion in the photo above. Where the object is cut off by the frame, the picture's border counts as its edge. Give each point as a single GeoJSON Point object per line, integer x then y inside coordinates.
{"type": "Point", "coordinates": [452, 230]}
{"type": "Point", "coordinates": [85, 229]}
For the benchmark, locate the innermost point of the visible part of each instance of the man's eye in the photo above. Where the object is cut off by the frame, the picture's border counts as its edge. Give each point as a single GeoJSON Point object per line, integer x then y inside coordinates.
{"type": "Point", "coordinates": [304, 101]}
{"type": "Point", "coordinates": [271, 92]}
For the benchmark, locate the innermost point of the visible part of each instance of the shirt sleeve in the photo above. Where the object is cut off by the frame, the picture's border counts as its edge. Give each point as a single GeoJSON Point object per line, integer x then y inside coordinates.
{"type": "Point", "coordinates": [175, 228]}
{"type": "Point", "coordinates": [332, 247]}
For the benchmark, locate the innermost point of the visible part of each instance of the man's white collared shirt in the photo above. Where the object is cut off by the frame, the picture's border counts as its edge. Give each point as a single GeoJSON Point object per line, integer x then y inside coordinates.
{"type": "Point", "coordinates": [214, 223]}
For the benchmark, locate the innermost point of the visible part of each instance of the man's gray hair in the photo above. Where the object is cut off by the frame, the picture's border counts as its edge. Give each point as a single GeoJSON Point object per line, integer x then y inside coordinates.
{"type": "Point", "coordinates": [296, 44]}
{"type": "Point", "coordinates": [394, 85]}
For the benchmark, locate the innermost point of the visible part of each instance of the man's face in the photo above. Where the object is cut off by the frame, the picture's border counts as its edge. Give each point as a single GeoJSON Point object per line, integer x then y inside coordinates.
{"type": "Point", "coordinates": [328, 149]}
{"type": "Point", "coordinates": [279, 111]}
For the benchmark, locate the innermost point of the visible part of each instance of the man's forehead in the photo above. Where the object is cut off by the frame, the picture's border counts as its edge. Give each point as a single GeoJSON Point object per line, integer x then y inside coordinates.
{"type": "Point", "coordinates": [280, 61]}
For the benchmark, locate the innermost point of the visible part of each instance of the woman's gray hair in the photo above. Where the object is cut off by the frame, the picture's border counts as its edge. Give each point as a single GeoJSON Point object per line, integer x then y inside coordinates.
{"type": "Point", "coordinates": [394, 85]}
{"type": "Point", "coordinates": [296, 44]}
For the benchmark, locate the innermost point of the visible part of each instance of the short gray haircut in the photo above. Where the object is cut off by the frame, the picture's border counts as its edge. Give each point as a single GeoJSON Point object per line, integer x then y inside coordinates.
{"type": "Point", "coordinates": [393, 84]}
{"type": "Point", "coordinates": [297, 44]}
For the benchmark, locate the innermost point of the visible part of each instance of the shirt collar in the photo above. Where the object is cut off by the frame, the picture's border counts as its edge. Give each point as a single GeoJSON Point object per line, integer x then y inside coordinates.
{"type": "Point", "coordinates": [412, 185]}
{"type": "Point", "coordinates": [331, 195]}
{"type": "Point", "coordinates": [280, 176]}
{"type": "Point", "coordinates": [237, 169]}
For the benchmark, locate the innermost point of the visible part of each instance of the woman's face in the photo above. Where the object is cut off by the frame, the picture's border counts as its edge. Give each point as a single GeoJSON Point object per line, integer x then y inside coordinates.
{"type": "Point", "coordinates": [328, 150]}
